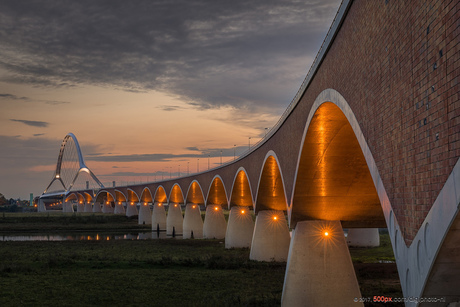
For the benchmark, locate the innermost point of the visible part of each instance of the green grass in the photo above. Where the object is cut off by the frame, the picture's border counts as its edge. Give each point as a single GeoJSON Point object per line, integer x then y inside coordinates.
{"type": "Point", "coordinates": [151, 272]}
{"type": "Point", "coordinates": [124, 273]}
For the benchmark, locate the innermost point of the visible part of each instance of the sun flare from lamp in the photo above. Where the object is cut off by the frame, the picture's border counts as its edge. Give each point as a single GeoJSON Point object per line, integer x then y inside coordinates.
{"type": "Point", "coordinates": [275, 218]}
{"type": "Point", "coordinates": [216, 208]}
{"type": "Point", "coordinates": [193, 206]}
{"type": "Point", "coordinates": [242, 211]}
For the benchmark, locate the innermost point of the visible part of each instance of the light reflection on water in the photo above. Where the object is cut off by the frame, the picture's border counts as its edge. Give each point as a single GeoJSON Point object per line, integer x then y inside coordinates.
{"type": "Point", "coordinates": [86, 237]}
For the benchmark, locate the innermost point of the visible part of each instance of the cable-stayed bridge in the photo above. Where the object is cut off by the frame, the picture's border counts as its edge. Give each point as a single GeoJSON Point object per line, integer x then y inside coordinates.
{"type": "Point", "coordinates": [372, 139]}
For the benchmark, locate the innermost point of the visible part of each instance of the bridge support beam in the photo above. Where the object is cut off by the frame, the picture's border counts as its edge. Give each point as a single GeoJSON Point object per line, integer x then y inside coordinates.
{"type": "Point", "coordinates": [107, 208]}
{"type": "Point", "coordinates": [193, 223]}
{"type": "Point", "coordinates": [97, 207]}
{"type": "Point", "coordinates": [131, 209]}
{"type": "Point", "coordinates": [41, 206]}
{"type": "Point", "coordinates": [363, 237]}
{"type": "Point", "coordinates": [158, 217]}
{"type": "Point", "coordinates": [319, 270]}
{"type": "Point", "coordinates": [240, 228]}
{"type": "Point", "coordinates": [270, 241]}
{"type": "Point", "coordinates": [145, 215]}
{"type": "Point", "coordinates": [88, 207]}
{"type": "Point", "coordinates": [214, 226]}
{"type": "Point", "coordinates": [174, 220]}
{"type": "Point", "coordinates": [80, 207]}
{"type": "Point", "coordinates": [119, 208]}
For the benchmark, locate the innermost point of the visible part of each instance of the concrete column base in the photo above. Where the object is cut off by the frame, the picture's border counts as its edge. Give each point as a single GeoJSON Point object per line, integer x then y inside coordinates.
{"type": "Point", "coordinates": [145, 216]}
{"type": "Point", "coordinates": [240, 228]}
{"type": "Point", "coordinates": [271, 238]}
{"type": "Point", "coordinates": [363, 237]}
{"type": "Point", "coordinates": [107, 208]}
{"type": "Point", "coordinates": [65, 207]}
{"type": "Point", "coordinates": [88, 207]}
{"type": "Point", "coordinates": [214, 226]}
{"type": "Point", "coordinates": [80, 207]}
{"type": "Point", "coordinates": [97, 207]}
{"type": "Point", "coordinates": [158, 217]}
{"type": "Point", "coordinates": [41, 206]}
{"type": "Point", "coordinates": [174, 220]}
{"type": "Point", "coordinates": [319, 270]}
{"type": "Point", "coordinates": [131, 209]}
{"type": "Point", "coordinates": [193, 222]}
{"type": "Point", "coordinates": [119, 208]}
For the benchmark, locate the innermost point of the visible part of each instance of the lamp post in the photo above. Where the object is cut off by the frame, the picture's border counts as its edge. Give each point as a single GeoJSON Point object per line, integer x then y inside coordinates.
{"type": "Point", "coordinates": [208, 161]}
{"type": "Point", "coordinates": [179, 170]}
{"type": "Point", "coordinates": [198, 165]}
{"type": "Point", "coordinates": [188, 169]}
{"type": "Point", "coordinates": [221, 157]}
{"type": "Point", "coordinates": [249, 142]}
{"type": "Point", "coordinates": [234, 150]}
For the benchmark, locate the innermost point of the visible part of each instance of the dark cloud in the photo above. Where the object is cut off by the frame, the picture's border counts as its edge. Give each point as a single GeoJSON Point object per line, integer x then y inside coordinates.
{"type": "Point", "coordinates": [14, 97]}
{"type": "Point", "coordinates": [170, 108]}
{"type": "Point", "coordinates": [39, 134]}
{"type": "Point", "coordinates": [202, 153]}
{"type": "Point", "coordinates": [209, 53]}
{"type": "Point", "coordinates": [32, 123]}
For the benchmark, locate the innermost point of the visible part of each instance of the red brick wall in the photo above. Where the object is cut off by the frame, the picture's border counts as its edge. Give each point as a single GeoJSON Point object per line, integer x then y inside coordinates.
{"type": "Point", "coordinates": [397, 65]}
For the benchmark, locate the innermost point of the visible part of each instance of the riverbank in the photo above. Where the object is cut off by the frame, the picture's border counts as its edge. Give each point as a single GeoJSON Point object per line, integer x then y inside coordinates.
{"type": "Point", "coordinates": [152, 272]}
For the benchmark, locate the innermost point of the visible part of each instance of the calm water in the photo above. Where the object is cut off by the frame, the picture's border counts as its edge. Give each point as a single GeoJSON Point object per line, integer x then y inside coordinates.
{"type": "Point", "coordinates": [99, 236]}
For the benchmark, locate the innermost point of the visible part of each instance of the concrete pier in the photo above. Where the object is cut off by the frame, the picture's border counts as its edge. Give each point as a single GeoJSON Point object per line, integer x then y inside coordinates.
{"type": "Point", "coordinates": [107, 208]}
{"type": "Point", "coordinates": [88, 207]}
{"type": "Point", "coordinates": [97, 207]}
{"type": "Point", "coordinates": [119, 208]}
{"type": "Point", "coordinates": [67, 207]}
{"type": "Point", "coordinates": [131, 209]}
{"type": "Point", "coordinates": [80, 207]}
{"type": "Point", "coordinates": [214, 226]}
{"type": "Point", "coordinates": [363, 237]}
{"type": "Point", "coordinates": [271, 238]}
{"type": "Point", "coordinates": [193, 223]}
{"type": "Point", "coordinates": [319, 270]}
{"type": "Point", "coordinates": [41, 206]}
{"type": "Point", "coordinates": [174, 220]}
{"type": "Point", "coordinates": [158, 217]}
{"type": "Point", "coordinates": [145, 215]}
{"type": "Point", "coordinates": [240, 228]}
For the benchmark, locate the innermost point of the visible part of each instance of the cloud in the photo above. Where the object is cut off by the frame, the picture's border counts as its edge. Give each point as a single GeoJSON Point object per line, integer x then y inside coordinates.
{"type": "Point", "coordinates": [39, 134]}
{"type": "Point", "coordinates": [154, 157]}
{"type": "Point", "coordinates": [14, 97]}
{"type": "Point", "coordinates": [32, 123]}
{"type": "Point", "coordinates": [243, 54]}
{"type": "Point", "coordinates": [170, 108]}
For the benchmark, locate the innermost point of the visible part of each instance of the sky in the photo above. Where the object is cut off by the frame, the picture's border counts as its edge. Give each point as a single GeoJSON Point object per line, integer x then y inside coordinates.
{"type": "Point", "coordinates": [147, 87]}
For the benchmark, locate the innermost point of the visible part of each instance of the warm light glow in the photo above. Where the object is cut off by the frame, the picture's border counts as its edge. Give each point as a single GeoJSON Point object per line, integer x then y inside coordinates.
{"type": "Point", "coordinates": [175, 205]}
{"type": "Point", "coordinates": [119, 202]}
{"type": "Point", "coordinates": [159, 205]}
{"type": "Point", "coordinates": [57, 176]}
{"type": "Point", "coordinates": [107, 203]}
{"type": "Point", "coordinates": [216, 208]}
{"type": "Point", "coordinates": [242, 211]}
{"type": "Point", "coordinates": [193, 206]}
{"type": "Point", "coordinates": [132, 204]}
{"type": "Point", "coordinates": [145, 204]}
{"type": "Point", "coordinates": [326, 233]}
{"type": "Point", "coordinates": [275, 218]}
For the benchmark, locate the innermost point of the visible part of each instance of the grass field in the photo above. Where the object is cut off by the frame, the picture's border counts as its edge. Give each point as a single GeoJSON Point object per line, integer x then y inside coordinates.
{"type": "Point", "coordinates": [153, 272]}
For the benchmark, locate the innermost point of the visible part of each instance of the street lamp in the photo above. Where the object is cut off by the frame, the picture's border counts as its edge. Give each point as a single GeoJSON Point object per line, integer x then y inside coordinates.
{"type": "Point", "coordinates": [198, 165]}
{"type": "Point", "coordinates": [179, 170]}
{"type": "Point", "coordinates": [249, 142]}
{"type": "Point", "coordinates": [221, 157]}
{"type": "Point", "coordinates": [208, 161]}
{"type": "Point", "coordinates": [234, 150]}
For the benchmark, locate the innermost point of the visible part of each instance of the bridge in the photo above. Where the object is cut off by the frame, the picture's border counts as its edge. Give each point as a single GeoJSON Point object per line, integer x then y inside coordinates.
{"type": "Point", "coordinates": [371, 139]}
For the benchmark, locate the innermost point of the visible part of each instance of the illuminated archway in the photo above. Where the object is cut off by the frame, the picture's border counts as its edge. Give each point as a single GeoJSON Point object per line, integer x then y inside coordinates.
{"type": "Point", "coordinates": [176, 196]}
{"type": "Point", "coordinates": [333, 181]}
{"type": "Point", "coordinates": [88, 197]}
{"type": "Point", "coordinates": [104, 196]}
{"type": "Point", "coordinates": [241, 190]}
{"type": "Point", "coordinates": [271, 193]}
{"type": "Point", "coordinates": [120, 197]}
{"type": "Point", "coordinates": [217, 194]}
{"type": "Point", "coordinates": [146, 196]}
{"type": "Point", "coordinates": [160, 195]}
{"type": "Point", "coordinates": [132, 196]}
{"type": "Point", "coordinates": [195, 194]}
